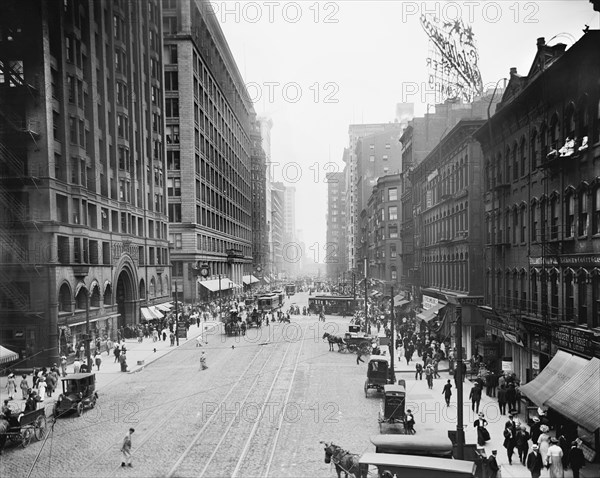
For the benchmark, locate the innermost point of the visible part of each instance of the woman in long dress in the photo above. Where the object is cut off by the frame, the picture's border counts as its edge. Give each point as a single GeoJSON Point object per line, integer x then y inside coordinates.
{"type": "Point", "coordinates": [554, 460]}
{"type": "Point", "coordinates": [544, 442]}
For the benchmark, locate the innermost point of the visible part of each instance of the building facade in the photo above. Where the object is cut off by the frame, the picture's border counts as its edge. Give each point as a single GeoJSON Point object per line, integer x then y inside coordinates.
{"type": "Point", "coordinates": [542, 208]}
{"type": "Point", "coordinates": [277, 231]}
{"type": "Point", "coordinates": [447, 187]}
{"type": "Point", "coordinates": [336, 237]}
{"type": "Point", "coordinates": [208, 135]}
{"type": "Point", "coordinates": [260, 236]}
{"type": "Point", "coordinates": [83, 184]}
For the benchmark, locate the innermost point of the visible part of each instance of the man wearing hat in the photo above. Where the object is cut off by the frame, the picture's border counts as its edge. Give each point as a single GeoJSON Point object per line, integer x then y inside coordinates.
{"type": "Point", "coordinates": [576, 458]}
{"type": "Point", "coordinates": [534, 430]}
{"type": "Point", "coordinates": [534, 462]}
{"type": "Point", "coordinates": [492, 463]}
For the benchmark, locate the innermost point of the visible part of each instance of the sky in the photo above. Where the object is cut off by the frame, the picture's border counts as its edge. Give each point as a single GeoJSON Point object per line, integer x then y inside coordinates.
{"type": "Point", "coordinates": [315, 67]}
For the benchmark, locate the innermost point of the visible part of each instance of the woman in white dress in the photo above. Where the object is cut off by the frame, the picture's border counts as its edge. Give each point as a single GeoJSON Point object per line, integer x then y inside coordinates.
{"type": "Point", "coordinates": [554, 460]}
{"type": "Point", "coordinates": [544, 442]}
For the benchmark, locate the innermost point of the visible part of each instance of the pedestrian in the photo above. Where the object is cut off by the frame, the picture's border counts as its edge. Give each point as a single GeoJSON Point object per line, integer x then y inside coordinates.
{"type": "Point", "coordinates": [502, 399]}
{"type": "Point", "coordinates": [544, 442]}
{"type": "Point", "coordinates": [509, 442]}
{"type": "Point", "coordinates": [447, 392]}
{"type": "Point", "coordinates": [51, 381]}
{"type": "Point", "coordinates": [172, 338]}
{"type": "Point", "coordinates": [123, 362]}
{"type": "Point", "coordinates": [429, 376]}
{"type": "Point", "coordinates": [522, 442]}
{"type": "Point", "coordinates": [534, 430]}
{"type": "Point", "coordinates": [109, 346]}
{"type": "Point", "coordinates": [76, 365]}
{"type": "Point", "coordinates": [24, 386]}
{"type": "Point", "coordinates": [32, 401]}
{"type": "Point", "coordinates": [41, 388]}
{"type": "Point", "coordinates": [475, 397]}
{"type": "Point", "coordinates": [482, 433]}
{"type": "Point", "coordinates": [11, 385]}
{"type": "Point", "coordinates": [436, 364]}
{"type": "Point", "coordinates": [492, 463]}
{"type": "Point", "coordinates": [554, 460]}
{"type": "Point", "coordinates": [126, 449]}
{"type": "Point", "coordinates": [576, 458]}
{"type": "Point", "coordinates": [199, 341]}
{"type": "Point", "coordinates": [410, 422]}
{"type": "Point", "coordinates": [117, 353]}
{"type": "Point", "coordinates": [511, 396]}
{"type": "Point", "coordinates": [203, 365]}
{"type": "Point", "coordinates": [358, 357]}
{"type": "Point", "coordinates": [534, 462]}
{"type": "Point", "coordinates": [419, 371]}
{"type": "Point", "coordinates": [98, 359]}
{"type": "Point", "coordinates": [164, 335]}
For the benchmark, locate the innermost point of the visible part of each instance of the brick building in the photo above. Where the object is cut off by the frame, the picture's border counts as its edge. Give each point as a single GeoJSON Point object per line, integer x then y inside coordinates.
{"type": "Point", "coordinates": [336, 236]}
{"type": "Point", "coordinates": [82, 172]}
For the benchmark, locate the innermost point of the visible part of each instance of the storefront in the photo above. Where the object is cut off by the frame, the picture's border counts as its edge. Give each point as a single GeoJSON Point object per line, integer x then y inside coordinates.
{"type": "Point", "coordinates": [72, 335]}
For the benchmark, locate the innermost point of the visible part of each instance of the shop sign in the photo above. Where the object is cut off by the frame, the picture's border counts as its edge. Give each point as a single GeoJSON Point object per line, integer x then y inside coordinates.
{"type": "Point", "coordinates": [181, 330]}
{"type": "Point", "coordinates": [507, 366]}
{"type": "Point", "coordinates": [535, 361]}
{"type": "Point", "coordinates": [512, 338]}
{"type": "Point", "coordinates": [470, 300]}
{"type": "Point", "coordinates": [429, 302]}
{"type": "Point", "coordinates": [576, 340]}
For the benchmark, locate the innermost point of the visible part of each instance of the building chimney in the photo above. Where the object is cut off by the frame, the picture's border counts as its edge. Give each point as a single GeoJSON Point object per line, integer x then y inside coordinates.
{"type": "Point", "coordinates": [513, 71]}
{"type": "Point", "coordinates": [541, 41]}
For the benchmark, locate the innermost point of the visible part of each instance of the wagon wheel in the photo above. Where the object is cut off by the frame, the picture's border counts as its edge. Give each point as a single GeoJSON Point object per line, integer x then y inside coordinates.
{"type": "Point", "coordinates": [93, 402]}
{"type": "Point", "coordinates": [26, 434]}
{"type": "Point", "coordinates": [79, 409]}
{"type": "Point", "coordinates": [40, 427]}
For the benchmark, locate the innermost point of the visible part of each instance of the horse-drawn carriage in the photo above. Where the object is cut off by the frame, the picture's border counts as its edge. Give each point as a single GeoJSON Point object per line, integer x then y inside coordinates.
{"type": "Point", "coordinates": [392, 407]}
{"type": "Point", "coordinates": [232, 323]}
{"type": "Point", "coordinates": [357, 342]}
{"type": "Point", "coordinates": [378, 374]}
{"type": "Point", "coordinates": [254, 319]}
{"type": "Point", "coordinates": [21, 427]}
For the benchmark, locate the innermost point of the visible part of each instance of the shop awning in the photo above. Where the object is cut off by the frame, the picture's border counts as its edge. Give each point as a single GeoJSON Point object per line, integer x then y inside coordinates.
{"type": "Point", "coordinates": [578, 400]}
{"type": "Point", "coordinates": [166, 307]}
{"type": "Point", "coordinates": [430, 313]}
{"type": "Point", "coordinates": [146, 314]}
{"type": "Point", "coordinates": [247, 280]}
{"type": "Point", "coordinates": [157, 313]}
{"type": "Point", "coordinates": [266, 279]}
{"type": "Point", "coordinates": [213, 284]}
{"type": "Point", "coordinates": [559, 371]}
{"type": "Point", "coordinates": [7, 355]}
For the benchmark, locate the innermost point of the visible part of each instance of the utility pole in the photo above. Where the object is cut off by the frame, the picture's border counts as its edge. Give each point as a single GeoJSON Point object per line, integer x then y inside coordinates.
{"type": "Point", "coordinates": [393, 340]}
{"type": "Point", "coordinates": [88, 338]}
{"type": "Point", "coordinates": [354, 285]}
{"type": "Point", "coordinates": [366, 299]}
{"type": "Point", "coordinates": [460, 431]}
{"type": "Point", "coordinates": [176, 314]}
{"type": "Point", "coordinates": [220, 301]}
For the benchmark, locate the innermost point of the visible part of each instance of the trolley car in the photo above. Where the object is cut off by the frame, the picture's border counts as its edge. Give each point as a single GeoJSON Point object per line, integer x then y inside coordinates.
{"type": "Point", "coordinates": [332, 304]}
{"type": "Point", "coordinates": [269, 302]}
{"type": "Point", "coordinates": [290, 289]}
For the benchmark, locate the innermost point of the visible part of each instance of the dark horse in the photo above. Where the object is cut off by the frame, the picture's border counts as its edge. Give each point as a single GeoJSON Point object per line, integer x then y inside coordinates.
{"type": "Point", "coordinates": [334, 339]}
{"type": "Point", "coordinates": [343, 460]}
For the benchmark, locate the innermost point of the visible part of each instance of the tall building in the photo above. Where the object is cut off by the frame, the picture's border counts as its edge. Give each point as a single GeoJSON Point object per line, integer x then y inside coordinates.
{"type": "Point", "coordinates": [82, 171]}
{"type": "Point", "coordinates": [542, 214]}
{"type": "Point", "coordinates": [266, 124]}
{"type": "Point", "coordinates": [336, 220]}
{"type": "Point", "coordinates": [377, 155]}
{"type": "Point", "coordinates": [291, 252]}
{"type": "Point", "coordinates": [355, 132]}
{"type": "Point", "coordinates": [208, 132]}
{"type": "Point", "coordinates": [277, 218]}
{"type": "Point", "coordinates": [260, 236]}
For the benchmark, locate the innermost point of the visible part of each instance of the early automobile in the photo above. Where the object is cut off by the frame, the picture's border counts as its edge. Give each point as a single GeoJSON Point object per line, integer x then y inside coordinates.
{"type": "Point", "coordinates": [392, 407]}
{"type": "Point", "coordinates": [78, 392]}
{"type": "Point", "coordinates": [378, 374]}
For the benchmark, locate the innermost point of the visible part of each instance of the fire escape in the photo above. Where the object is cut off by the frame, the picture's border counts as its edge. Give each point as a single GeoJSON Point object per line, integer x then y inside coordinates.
{"type": "Point", "coordinates": [17, 134]}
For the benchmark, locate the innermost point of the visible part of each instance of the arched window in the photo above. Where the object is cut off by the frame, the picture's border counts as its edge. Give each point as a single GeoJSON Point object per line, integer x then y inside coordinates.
{"type": "Point", "coordinates": [570, 213]}
{"type": "Point", "coordinates": [543, 142]}
{"type": "Point", "coordinates": [534, 217]}
{"type": "Point", "coordinates": [533, 150]}
{"type": "Point", "coordinates": [81, 299]}
{"type": "Point", "coordinates": [569, 305]}
{"type": "Point", "coordinates": [595, 320]}
{"type": "Point", "coordinates": [554, 132]}
{"type": "Point", "coordinates": [523, 156]}
{"type": "Point", "coordinates": [152, 289]}
{"type": "Point", "coordinates": [554, 216]}
{"type": "Point", "coordinates": [582, 309]}
{"type": "Point", "coordinates": [64, 298]}
{"type": "Point", "coordinates": [95, 297]}
{"type": "Point", "coordinates": [554, 293]}
{"type": "Point", "coordinates": [596, 208]}
{"type": "Point", "coordinates": [515, 161]}
{"type": "Point", "coordinates": [142, 289]}
{"type": "Point", "coordinates": [570, 120]}
{"type": "Point", "coordinates": [583, 119]}
{"type": "Point", "coordinates": [509, 162]}
{"type": "Point", "coordinates": [534, 292]}
{"type": "Point", "coordinates": [108, 298]}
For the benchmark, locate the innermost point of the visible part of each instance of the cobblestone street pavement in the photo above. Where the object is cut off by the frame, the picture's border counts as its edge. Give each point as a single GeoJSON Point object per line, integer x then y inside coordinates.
{"type": "Point", "coordinates": [260, 409]}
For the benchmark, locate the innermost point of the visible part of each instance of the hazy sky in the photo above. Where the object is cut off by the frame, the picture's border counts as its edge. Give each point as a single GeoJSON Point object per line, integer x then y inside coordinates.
{"type": "Point", "coordinates": [316, 67]}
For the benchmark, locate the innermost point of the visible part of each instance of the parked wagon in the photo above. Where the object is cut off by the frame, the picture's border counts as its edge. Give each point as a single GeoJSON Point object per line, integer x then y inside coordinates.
{"type": "Point", "coordinates": [359, 343]}
{"type": "Point", "coordinates": [21, 427]}
{"type": "Point", "coordinates": [392, 407]}
{"type": "Point", "coordinates": [378, 374]}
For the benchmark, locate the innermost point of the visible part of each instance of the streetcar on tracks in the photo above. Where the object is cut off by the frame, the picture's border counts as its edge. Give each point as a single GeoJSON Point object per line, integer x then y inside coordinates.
{"type": "Point", "coordinates": [290, 289]}
{"type": "Point", "coordinates": [269, 302]}
{"type": "Point", "coordinates": [334, 304]}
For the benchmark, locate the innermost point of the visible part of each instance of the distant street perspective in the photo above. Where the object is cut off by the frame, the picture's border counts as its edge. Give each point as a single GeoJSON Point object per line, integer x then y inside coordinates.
{"type": "Point", "coordinates": [294, 239]}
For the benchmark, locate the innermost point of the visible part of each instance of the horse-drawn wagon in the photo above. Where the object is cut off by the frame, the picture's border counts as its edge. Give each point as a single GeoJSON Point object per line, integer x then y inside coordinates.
{"type": "Point", "coordinates": [21, 427]}
{"type": "Point", "coordinates": [357, 342]}
{"type": "Point", "coordinates": [378, 374]}
{"type": "Point", "coordinates": [392, 407]}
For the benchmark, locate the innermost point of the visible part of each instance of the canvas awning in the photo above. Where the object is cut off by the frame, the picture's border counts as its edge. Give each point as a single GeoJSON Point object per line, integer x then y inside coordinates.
{"type": "Point", "coordinates": [430, 313]}
{"type": "Point", "coordinates": [577, 399]}
{"type": "Point", "coordinates": [247, 280]}
{"type": "Point", "coordinates": [266, 279]}
{"type": "Point", "coordinates": [7, 355]}
{"type": "Point", "coordinates": [213, 284]}
{"type": "Point", "coordinates": [561, 368]}
{"type": "Point", "coordinates": [166, 307]}
{"type": "Point", "coordinates": [146, 314]}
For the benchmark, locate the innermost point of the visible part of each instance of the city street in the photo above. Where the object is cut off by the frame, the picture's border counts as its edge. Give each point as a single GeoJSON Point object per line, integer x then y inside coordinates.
{"type": "Point", "coordinates": [260, 409]}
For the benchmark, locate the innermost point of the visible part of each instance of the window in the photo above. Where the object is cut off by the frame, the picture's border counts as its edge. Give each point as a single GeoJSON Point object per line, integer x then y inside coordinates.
{"type": "Point", "coordinates": [169, 24]}
{"type": "Point", "coordinates": [534, 211]}
{"type": "Point", "coordinates": [523, 224]}
{"type": "Point", "coordinates": [392, 194]}
{"type": "Point", "coordinates": [385, 157]}
{"type": "Point", "coordinates": [172, 107]}
{"type": "Point", "coordinates": [393, 232]}
{"type": "Point", "coordinates": [554, 219]}
{"type": "Point", "coordinates": [176, 241]}
{"type": "Point", "coordinates": [596, 210]}
{"type": "Point", "coordinates": [173, 162]}
{"type": "Point", "coordinates": [387, 146]}
{"type": "Point", "coordinates": [393, 213]}
{"type": "Point", "coordinates": [569, 297]}
{"type": "Point", "coordinates": [174, 212]}
{"type": "Point", "coordinates": [172, 134]}
{"type": "Point", "coordinates": [372, 159]}
{"type": "Point", "coordinates": [64, 253]}
{"type": "Point", "coordinates": [582, 312]}
{"type": "Point", "coordinates": [582, 219]}
{"type": "Point", "coordinates": [533, 150]}
{"type": "Point", "coordinates": [394, 273]}
{"type": "Point", "coordinates": [570, 216]}
{"type": "Point", "coordinates": [171, 81]}
{"type": "Point", "coordinates": [393, 252]}
{"type": "Point", "coordinates": [170, 54]}
{"type": "Point", "coordinates": [174, 187]}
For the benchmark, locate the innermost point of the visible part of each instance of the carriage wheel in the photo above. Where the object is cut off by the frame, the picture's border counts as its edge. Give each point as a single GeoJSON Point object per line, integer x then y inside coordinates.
{"type": "Point", "coordinates": [26, 434]}
{"type": "Point", "coordinates": [40, 427]}
{"type": "Point", "coordinates": [79, 409]}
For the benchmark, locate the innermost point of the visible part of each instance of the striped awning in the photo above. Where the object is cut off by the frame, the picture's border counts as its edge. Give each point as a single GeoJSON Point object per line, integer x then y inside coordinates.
{"type": "Point", "coordinates": [214, 285]}
{"type": "Point", "coordinates": [166, 307]}
{"type": "Point", "coordinates": [430, 313]}
{"type": "Point", "coordinates": [247, 280]}
{"type": "Point", "coordinates": [578, 400]}
{"type": "Point", "coordinates": [559, 371]}
{"type": "Point", "coordinates": [7, 355]}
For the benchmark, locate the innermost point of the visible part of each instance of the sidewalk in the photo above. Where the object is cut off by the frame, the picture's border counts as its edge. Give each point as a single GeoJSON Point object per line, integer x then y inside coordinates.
{"type": "Point", "coordinates": [139, 355]}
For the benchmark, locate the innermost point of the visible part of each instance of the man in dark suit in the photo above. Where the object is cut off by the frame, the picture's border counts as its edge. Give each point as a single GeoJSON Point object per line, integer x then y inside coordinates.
{"type": "Point", "coordinates": [576, 458]}
{"type": "Point", "coordinates": [534, 462]}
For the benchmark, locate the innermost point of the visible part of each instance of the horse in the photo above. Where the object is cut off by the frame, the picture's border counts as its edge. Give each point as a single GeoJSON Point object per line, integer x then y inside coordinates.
{"type": "Point", "coordinates": [343, 460]}
{"type": "Point", "coordinates": [334, 339]}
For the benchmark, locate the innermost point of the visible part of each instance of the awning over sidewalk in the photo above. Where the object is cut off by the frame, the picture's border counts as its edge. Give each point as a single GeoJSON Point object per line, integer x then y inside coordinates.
{"type": "Point", "coordinates": [213, 284]}
{"type": "Point", "coordinates": [557, 373]}
{"type": "Point", "coordinates": [247, 280]}
{"type": "Point", "coordinates": [578, 400]}
{"type": "Point", "coordinates": [266, 279]}
{"type": "Point", "coordinates": [146, 314]}
{"type": "Point", "coordinates": [151, 313]}
{"type": "Point", "coordinates": [7, 355]}
{"type": "Point", "coordinates": [430, 313]}
{"type": "Point", "coordinates": [166, 307]}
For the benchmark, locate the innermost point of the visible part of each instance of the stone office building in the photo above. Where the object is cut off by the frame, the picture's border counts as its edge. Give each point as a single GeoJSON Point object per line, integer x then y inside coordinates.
{"type": "Point", "coordinates": [82, 176]}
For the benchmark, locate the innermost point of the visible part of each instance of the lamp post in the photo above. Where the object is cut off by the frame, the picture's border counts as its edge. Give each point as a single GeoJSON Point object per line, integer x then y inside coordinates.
{"type": "Point", "coordinates": [460, 431]}
{"type": "Point", "coordinates": [392, 341]}
{"type": "Point", "coordinates": [88, 339]}
{"type": "Point", "coordinates": [366, 299]}
{"type": "Point", "coordinates": [176, 314]}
